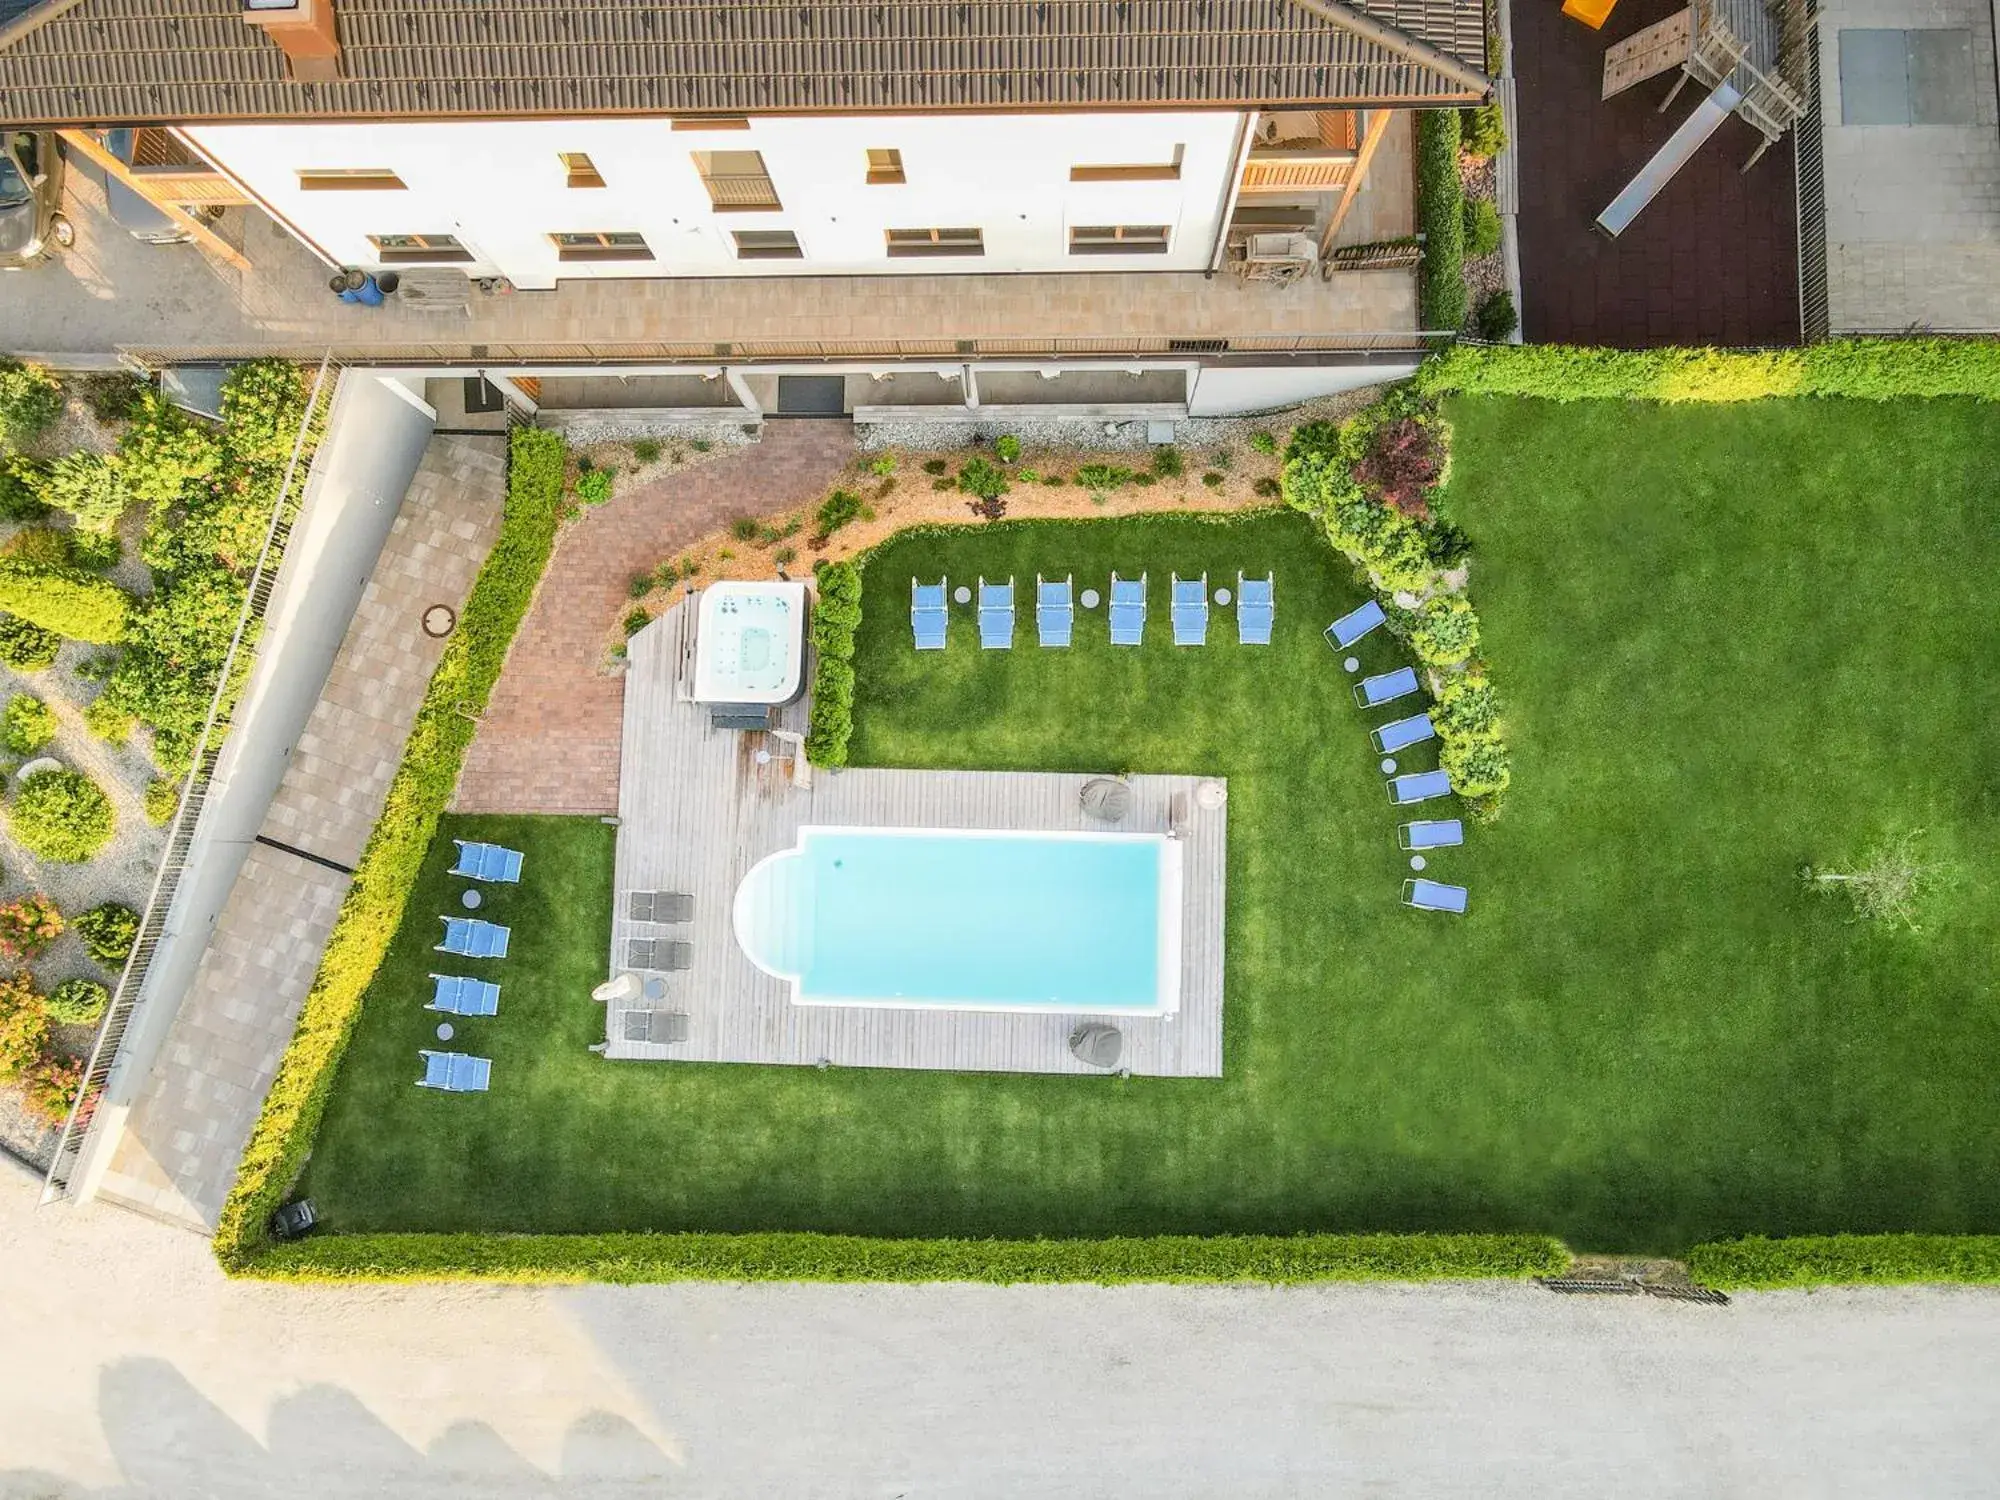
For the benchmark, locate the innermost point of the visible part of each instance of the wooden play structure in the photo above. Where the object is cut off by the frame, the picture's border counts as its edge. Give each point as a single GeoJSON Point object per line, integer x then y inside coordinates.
{"type": "Point", "coordinates": [1741, 54]}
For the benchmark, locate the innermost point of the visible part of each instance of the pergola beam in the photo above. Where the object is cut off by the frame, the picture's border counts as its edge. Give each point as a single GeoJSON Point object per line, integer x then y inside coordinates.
{"type": "Point", "coordinates": [93, 150]}
{"type": "Point", "coordinates": [1378, 126]}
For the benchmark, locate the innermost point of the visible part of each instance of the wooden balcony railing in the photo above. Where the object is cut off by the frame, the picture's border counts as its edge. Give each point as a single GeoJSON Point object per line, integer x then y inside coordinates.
{"type": "Point", "coordinates": [174, 174]}
{"type": "Point", "coordinates": [740, 192]}
{"type": "Point", "coordinates": [1278, 170]}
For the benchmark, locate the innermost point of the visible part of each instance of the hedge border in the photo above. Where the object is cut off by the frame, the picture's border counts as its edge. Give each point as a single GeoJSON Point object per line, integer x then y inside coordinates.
{"type": "Point", "coordinates": [1853, 369]}
{"type": "Point", "coordinates": [1847, 1260]}
{"type": "Point", "coordinates": [1262, 1259]}
{"type": "Point", "coordinates": [1441, 217]}
{"type": "Point", "coordinates": [422, 788]}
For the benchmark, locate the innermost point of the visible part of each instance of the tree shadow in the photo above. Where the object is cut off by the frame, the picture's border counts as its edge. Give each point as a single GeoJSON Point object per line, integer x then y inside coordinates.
{"type": "Point", "coordinates": [168, 1439]}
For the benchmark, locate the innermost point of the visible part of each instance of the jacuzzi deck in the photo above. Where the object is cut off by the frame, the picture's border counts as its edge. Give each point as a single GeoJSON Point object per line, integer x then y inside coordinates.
{"type": "Point", "coordinates": [697, 812]}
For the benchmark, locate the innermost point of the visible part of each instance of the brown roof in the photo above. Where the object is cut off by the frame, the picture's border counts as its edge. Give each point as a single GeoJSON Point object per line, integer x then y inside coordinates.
{"type": "Point", "coordinates": [102, 61]}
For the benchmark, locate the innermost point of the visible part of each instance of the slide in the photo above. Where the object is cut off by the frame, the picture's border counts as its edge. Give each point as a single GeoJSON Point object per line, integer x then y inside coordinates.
{"type": "Point", "coordinates": [1670, 158]}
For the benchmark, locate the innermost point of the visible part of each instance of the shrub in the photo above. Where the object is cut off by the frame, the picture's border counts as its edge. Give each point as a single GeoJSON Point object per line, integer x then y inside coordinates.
{"type": "Point", "coordinates": [21, 489]}
{"type": "Point", "coordinates": [68, 601]}
{"type": "Point", "coordinates": [1168, 463]}
{"type": "Point", "coordinates": [1102, 478]}
{"type": "Point", "coordinates": [95, 551]}
{"type": "Point", "coordinates": [982, 480]}
{"type": "Point", "coordinates": [1446, 632]}
{"type": "Point", "coordinates": [1467, 708]}
{"type": "Point", "coordinates": [53, 1083]}
{"type": "Point", "coordinates": [1496, 319]}
{"type": "Point", "coordinates": [165, 453]}
{"type": "Point", "coordinates": [1263, 442]}
{"type": "Point", "coordinates": [1441, 217]}
{"type": "Point", "coordinates": [1054, 481]}
{"type": "Point", "coordinates": [836, 617]}
{"type": "Point", "coordinates": [27, 725]}
{"type": "Point", "coordinates": [26, 647]}
{"type": "Point", "coordinates": [108, 721]}
{"type": "Point", "coordinates": [1400, 465]}
{"type": "Point", "coordinates": [30, 401]}
{"type": "Point", "coordinates": [1268, 488]}
{"type": "Point", "coordinates": [90, 486]}
{"type": "Point", "coordinates": [40, 544]}
{"type": "Point", "coordinates": [744, 528]}
{"type": "Point", "coordinates": [594, 486]}
{"type": "Point", "coordinates": [110, 930]}
{"type": "Point", "coordinates": [1478, 768]}
{"type": "Point", "coordinates": [1008, 448]}
{"type": "Point", "coordinates": [841, 508]}
{"type": "Point", "coordinates": [935, 466]}
{"type": "Point", "coordinates": [700, 445]}
{"type": "Point", "coordinates": [646, 450]}
{"type": "Point", "coordinates": [113, 397]}
{"type": "Point", "coordinates": [422, 787]}
{"type": "Point", "coordinates": [785, 556]}
{"type": "Point", "coordinates": [28, 925]}
{"type": "Point", "coordinates": [1213, 479]}
{"type": "Point", "coordinates": [24, 1025]}
{"type": "Point", "coordinates": [639, 586]}
{"type": "Point", "coordinates": [882, 465]}
{"type": "Point", "coordinates": [61, 815]}
{"type": "Point", "coordinates": [163, 799]}
{"type": "Point", "coordinates": [263, 404]}
{"type": "Point", "coordinates": [1846, 1259]}
{"type": "Point", "coordinates": [1482, 228]}
{"type": "Point", "coordinates": [1448, 545]}
{"type": "Point", "coordinates": [635, 621]}
{"type": "Point", "coordinates": [78, 1002]}
{"type": "Point", "coordinates": [1482, 129]}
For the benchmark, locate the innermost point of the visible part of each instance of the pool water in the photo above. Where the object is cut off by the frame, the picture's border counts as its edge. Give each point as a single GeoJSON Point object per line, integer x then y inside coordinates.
{"type": "Point", "coordinates": [969, 920]}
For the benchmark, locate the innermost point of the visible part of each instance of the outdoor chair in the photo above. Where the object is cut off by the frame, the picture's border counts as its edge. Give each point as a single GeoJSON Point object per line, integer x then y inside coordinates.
{"type": "Point", "coordinates": [455, 1072]}
{"type": "Point", "coordinates": [487, 862]}
{"type": "Point", "coordinates": [996, 615]}
{"type": "Point", "coordinates": [1418, 786]}
{"type": "Point", "coordinates": [1442, 833]}
{"type": "Point", "coordinates": [1402, 734]}
{"type": "Point", "coordinates": [928, 613]}
{"type": "Point", "coordinates": [658, 954]}
{"type": "Point", "coordinates": [660, 1027]}
{"type": "Point", "coordinates": [661, 906]}
{"type": "Point", "coordinates": [1189, 610]}
{"type": "Point", "coordinates": [1055, 613]}
{"type": "Point", "coordinates": [1256, 607]}
{"type": "Point", "coordinates": [1353, 625]}
{"type": "Point", "coordinates": [1128, 610]}
{"type": "Point", "coordinates": [459, 996]}
{"type": "Point", "coordinates": [469, 937]}
{"type": "Point", "coordinates": [1430, 895]}
{"type": "Point", "coordinates": [1385, 687]}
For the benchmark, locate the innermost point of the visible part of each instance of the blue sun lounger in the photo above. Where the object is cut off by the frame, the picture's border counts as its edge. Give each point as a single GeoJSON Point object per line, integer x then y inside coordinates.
{"type": "Point", "coordinates": [455, 1072]}
{"type": "Point", "coordinates": [1055, 612]}
{"type": "Point", "coordinates": [487, 862]}
{"type": "Point", "coordinates": [1441, 833]}
{"type": "Point", "coordinates": [1128, 610]}
{"type": "Point", "coordinates": [1385, 687]}
{"type": "Point", "coordinates": [1256, 607]}
{"type": "Point", "coordinates": [927, 613]}
{"type": "Point", "coordinates": [468, 937]}
{"type": "Point", "coordinates": [1419, 786]}
{"type": "Point", "coordinates": [1402, 734]}
{"type": "Point", "coordinates": [1430, 895]}
{"type": "Point", "coordinates": [1190, 610]}
{"type": "Point", "coordinates": [1352, 626]}
{"type": "Point", "coordinates": [996, 615]}
{"type": "Point", "coordinates": [458, 996]}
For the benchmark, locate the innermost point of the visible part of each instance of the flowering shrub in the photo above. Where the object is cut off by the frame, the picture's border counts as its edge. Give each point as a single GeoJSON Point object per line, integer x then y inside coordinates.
{"type": "Point", "coordinates": [29, 925]}
{"type": "Point", "coordinates": [53, 1082]}
{"type": "Point", "coordinates": [24, 1025]}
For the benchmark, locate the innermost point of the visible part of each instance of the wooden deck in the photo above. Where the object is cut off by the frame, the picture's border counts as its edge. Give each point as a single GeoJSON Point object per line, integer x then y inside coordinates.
{"type": "Point", "coordinates": [697, 809]}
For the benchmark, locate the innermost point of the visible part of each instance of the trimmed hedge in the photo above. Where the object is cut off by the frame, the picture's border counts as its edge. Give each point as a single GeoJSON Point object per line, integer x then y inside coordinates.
{"type": "Point", "coordinates": [1846, 1259]}
{"type": "Point", "coordinates": [1441, 219]}
{"type": "Point", "coordinates": [827, 1257]}
{"type": "Point", "coordinates": [68, 601]}
{"type": "Point", "coordinates": [836, 617]}
{"type": "Point", "coordinates": [389, 865]}
{"type": "Point", "coordinates": [1854, 369]}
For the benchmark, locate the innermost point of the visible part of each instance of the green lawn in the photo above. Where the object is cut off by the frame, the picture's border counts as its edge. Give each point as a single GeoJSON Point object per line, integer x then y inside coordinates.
{"type": "Point", "coordinates": [1732, 639]}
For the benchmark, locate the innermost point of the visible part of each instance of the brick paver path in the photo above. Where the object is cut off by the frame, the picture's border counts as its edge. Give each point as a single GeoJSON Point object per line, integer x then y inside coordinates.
{"type": "Point", "coordinates": [549, 741]}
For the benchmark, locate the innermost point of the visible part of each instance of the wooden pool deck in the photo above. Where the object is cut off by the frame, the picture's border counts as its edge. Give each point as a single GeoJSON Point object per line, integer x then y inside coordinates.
{"type": "Point", "coordinates": [697, 810]}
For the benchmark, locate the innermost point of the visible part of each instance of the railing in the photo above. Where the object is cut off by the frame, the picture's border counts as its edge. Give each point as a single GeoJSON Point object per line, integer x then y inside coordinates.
{"type": "Point", "coordinates": [1281, 171]}
{"type": "Point", "coordinates": [1809, 173]}
{"type": "Point", "coordinates": [180, 834]}
{"type": "Point", "coordinates": [741, 191]}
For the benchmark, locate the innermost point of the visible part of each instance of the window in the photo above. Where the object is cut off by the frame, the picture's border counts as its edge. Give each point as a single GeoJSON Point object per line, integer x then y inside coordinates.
{"type": "Point", "coordinates": [768, 244]}
{"type": "Point", "coordinates": [885, 166]}
{"type": "Point", "coordinates": [1159, 171]}
{"type": "Point", "coordinates": [1907, 77]}
{"type": "Point", "coordinates": [736, 181]}
{"type": "Point", "coordinates": [916, 242]}
{"type": "Point", "coordinates": [1118, 239]}
{"type": "Point", "coordinates": [606, 244]}
{"type": "Point", "coordinates": [581, 170]}
{"type": "Point", "coordinates": [409, 249]}
{"type": "Point", "coordinates": [710, 122]}
{"type": "Point", "coordinates": [349, 180]}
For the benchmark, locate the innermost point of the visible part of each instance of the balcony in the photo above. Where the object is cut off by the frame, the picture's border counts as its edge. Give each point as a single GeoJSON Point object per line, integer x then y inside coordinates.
{"type": "Point", "coordinates": [171, 173]}
{"type": "Point", "coordinates": [1303, 152]}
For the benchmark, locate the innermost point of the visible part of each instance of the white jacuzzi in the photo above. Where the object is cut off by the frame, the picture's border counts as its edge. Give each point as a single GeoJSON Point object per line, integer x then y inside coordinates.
{"type": "Point", "coordinates": [750, 643]}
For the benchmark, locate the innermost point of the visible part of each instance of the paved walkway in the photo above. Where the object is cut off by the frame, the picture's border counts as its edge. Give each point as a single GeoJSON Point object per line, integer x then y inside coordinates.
{"type": "Point", "coordinates": [111, 292]}
{"type": "Point", "coordinates": [178, 1155]}
{"type": "Point", "coordinates": [549, 741]}
{"type": "Point", "coordinates": [152, 1378]}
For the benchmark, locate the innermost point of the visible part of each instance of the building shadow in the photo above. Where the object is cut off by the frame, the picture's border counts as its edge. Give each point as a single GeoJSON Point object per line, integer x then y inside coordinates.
{"type": "Point", "coordinates": [170, 1440]}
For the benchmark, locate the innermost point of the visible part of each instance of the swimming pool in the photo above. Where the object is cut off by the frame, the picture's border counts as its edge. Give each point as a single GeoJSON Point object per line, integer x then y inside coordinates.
{"type": "Point", "coordinates": [1085, 923]}
{"type": "Point", "coordinates": [749, 642]}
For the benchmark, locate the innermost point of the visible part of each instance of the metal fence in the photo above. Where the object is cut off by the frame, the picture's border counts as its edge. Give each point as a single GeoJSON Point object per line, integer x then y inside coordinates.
{"type": "Point", "coordinates": [180, 834]}
{"type": "Point", "coordinates": [1815, 320]}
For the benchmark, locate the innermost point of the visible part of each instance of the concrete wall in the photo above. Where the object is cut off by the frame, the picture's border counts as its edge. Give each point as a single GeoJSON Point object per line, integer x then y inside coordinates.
{"type": "Point", "coordinates": [375, 438]}
{"type": "Point", "coordinates": [499, 187]}
{"type": "Point", "coordinates": [1236, 391]}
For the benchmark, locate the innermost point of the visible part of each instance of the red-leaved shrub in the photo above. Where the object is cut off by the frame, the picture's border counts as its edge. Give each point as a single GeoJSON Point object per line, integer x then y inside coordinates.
{"type": "Point", "coordinates": [1402, 463]}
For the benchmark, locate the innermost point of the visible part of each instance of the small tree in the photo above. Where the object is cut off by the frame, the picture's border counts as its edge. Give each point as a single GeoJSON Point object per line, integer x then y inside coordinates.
{"type": "Point", "coordinates": [1890, 883]}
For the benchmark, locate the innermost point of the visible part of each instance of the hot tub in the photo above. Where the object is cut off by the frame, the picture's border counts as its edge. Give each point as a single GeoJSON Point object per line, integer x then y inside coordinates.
{"type": "Point", "coordinates": [750, 643]}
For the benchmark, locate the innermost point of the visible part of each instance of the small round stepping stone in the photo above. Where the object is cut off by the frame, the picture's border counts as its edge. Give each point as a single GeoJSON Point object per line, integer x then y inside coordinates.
{"type": "Point", "coordinates": [444, 1031]}
{"type": "Point", "coordinates": [470, 900]}
{"type": "Point", "coordinates": [1353, 664]}
{"type": "Point", "coordinates": [1416, 861]}
{"type": "Point", "coordinates": [1388, 767]}
{"type": "Point", "coordinates": [1222, 596]}
{"type": "Point", "coordinates": [1088, 599]}
{"type": "Point", "coordinates": [962, 594]}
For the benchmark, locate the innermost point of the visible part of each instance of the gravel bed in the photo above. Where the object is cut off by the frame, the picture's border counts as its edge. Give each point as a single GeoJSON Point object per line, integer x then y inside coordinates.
{"type": "Point", "coordinates": [624, 426]}
{"type": "Point", "coordinates": [1099, 436]}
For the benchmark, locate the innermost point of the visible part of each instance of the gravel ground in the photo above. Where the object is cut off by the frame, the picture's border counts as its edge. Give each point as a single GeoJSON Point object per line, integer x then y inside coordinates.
{"type": "Point", "coordinates": [584, 431]}
{"type": "Point", "coordinates": [1078, 432]}
{"type": "Point", "coordinates": [152, 1376]}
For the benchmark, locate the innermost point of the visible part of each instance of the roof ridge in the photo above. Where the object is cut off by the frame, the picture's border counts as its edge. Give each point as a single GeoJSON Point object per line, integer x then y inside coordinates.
{"type": "Point", "coordinates": [1396, 40]}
